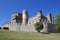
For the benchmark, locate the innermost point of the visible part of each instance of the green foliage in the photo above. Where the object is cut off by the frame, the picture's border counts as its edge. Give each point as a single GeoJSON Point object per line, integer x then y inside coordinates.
{"type": "Point", "coordinates": [57, 21]}
{"type": "Point", "coordinates": [38, 26]}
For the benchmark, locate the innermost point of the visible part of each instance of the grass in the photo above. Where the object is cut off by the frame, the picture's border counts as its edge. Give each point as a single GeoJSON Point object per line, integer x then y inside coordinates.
{"type": "Point", "coordinates": [12, 35]}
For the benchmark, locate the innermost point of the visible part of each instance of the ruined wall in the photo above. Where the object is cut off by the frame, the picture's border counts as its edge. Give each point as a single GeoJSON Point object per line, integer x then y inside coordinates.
{"type": "Point", "coordinates": [36, 18]}
{"type": "Point", "coordinates": [27, 24]}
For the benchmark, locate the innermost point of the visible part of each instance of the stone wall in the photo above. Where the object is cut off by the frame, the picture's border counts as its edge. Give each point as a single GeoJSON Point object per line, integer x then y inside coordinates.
{"type": "Point", "coordinates": [20, 26]}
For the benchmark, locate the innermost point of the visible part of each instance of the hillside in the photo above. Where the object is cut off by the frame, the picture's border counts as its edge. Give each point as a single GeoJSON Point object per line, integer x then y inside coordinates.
{"type": "Point", "coordinates": [10, 35]}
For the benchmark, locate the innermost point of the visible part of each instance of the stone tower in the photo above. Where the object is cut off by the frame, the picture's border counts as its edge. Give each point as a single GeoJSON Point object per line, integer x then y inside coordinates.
{"type": "Point", "coordinates": [15, 21]}
{"type": "Point", "coordinates": [39, 13]}
{"type": "Point", "coordinates": [17, 18]}
{"type": "Point", "coordinates": [49, 18]}
{"type": "Point", "coordinates": [50, 25]}
{"type": "Point", "coordinates": [25, 17]}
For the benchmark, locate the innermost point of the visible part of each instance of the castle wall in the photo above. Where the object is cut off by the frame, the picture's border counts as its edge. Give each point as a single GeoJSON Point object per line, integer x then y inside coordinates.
{"type": "Point", "coordinates": [28, 28]}
{"type": "Point", "coordinates": [14, 27]}
{"type": "Point", "coordinates": [23, 19]}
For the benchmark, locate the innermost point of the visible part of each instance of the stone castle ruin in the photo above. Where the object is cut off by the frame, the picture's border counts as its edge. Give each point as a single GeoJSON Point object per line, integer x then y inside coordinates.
{"type": "Point", "coordinates": [21, 22]}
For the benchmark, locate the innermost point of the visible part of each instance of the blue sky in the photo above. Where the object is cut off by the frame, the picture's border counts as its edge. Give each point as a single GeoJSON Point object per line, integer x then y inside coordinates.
{"type": "Point", "coordinates": [7, 7]}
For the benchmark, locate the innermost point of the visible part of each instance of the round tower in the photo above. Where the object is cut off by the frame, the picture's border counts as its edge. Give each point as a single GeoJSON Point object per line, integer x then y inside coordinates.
{"type": "Point", "coordinates": [25, 17]}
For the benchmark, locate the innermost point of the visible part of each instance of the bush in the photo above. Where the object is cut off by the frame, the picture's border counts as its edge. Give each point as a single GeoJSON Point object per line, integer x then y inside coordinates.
{"type": "Point", "coordinates": [38, 26]}
{"type": "Point", "coordinates": [57, 27]}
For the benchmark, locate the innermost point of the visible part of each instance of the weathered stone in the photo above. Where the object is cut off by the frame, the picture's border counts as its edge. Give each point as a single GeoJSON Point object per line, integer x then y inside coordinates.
{"type": "Point", "coordinates": [45, 27]}
{"type": "Point", "coordinates": [19, 20]}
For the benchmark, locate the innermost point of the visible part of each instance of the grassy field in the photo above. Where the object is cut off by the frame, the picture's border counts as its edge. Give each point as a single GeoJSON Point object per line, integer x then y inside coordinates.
{"type": "Point", "coordinates": [10, 35]}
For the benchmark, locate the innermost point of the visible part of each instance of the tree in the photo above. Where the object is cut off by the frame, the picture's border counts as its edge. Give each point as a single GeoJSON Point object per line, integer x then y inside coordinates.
{"type": "Point", "coordinates": [38, 26]}
{"type": "Point", "coordinates": [57, 22]}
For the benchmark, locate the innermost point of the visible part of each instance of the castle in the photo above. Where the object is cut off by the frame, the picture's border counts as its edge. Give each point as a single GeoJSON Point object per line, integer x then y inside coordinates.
{"type": "Point", "coordinates": [22, 22]}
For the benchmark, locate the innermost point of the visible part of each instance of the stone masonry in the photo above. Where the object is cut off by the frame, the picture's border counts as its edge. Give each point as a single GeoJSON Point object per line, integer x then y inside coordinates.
{"type": "Point", "coordinates": [22, 22]}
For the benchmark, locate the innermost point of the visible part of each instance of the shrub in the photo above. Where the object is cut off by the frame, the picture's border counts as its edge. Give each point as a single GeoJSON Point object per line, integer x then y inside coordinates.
{"type": "Point", "coordinates": [38, 26]}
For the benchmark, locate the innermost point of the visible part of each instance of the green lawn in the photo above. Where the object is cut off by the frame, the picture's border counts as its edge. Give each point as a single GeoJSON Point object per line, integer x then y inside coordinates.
{"type": "Point", "coordinates": [10, 35]}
